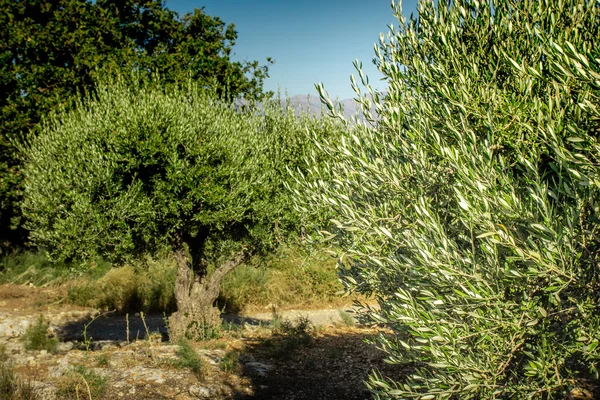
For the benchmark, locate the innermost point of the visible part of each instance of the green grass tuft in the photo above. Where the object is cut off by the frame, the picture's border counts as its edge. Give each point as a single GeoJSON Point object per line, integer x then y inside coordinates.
{"type": "Point", "coordinates": [347, 318]}
{"type": "Point", "coordinates": [189, 358]}
{"type": "Point", "coordinates": [102, 360]}
{"type": "Point", "coordinates": [36, 337]}
{"type": "Point", "coordinates": [230, 362]}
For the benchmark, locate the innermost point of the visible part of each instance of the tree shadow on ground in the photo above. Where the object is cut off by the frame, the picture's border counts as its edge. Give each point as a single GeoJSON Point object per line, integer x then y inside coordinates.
{"type": "Point", "coordinates": [120, 328]}
{"type": "Point", "coordinates": [329, 366]}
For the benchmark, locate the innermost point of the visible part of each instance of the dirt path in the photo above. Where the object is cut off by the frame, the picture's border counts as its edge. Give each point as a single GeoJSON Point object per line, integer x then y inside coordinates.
{"type": "Point", "coordinates": [118, 328]}
{"type": "Point", "coordinates": [318, 317]}
{"type": "Point", "coordinates": [20, 305]}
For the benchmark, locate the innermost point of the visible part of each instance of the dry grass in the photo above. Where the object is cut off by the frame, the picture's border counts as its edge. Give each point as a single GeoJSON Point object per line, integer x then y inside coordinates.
{"type": "Point", "coordinates": [143, 287]}
{"type": "Point", "coordinates": [81, 383]}
{"type": "Point", "coordinates": [34, 268]}
{"type": "Point", "coordinates": [12, 387]}
{"type": "Point", "coordinates": [287, 277]}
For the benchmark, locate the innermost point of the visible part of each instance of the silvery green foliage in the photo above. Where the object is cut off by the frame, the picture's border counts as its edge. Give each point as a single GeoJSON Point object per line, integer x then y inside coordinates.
{"type": "Point", "coordinates": [470, 206]}
{"type": "Point", "coordinates": [139, 167]}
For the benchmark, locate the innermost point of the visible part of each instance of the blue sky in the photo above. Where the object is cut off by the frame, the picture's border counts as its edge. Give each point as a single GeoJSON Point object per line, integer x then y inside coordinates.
{"type": "Point", "coordinates": [311, 40]}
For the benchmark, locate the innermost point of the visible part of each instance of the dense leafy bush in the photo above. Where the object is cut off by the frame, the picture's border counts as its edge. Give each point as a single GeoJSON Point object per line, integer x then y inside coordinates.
{"type": "Point", "coordinates": [470, 206]}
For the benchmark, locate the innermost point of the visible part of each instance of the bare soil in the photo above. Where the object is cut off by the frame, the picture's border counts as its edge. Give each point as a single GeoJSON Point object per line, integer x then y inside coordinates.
{"type": "Point", "coordinates": [333, 365]}
{"type": "Point", "coordinates": [137, 361]}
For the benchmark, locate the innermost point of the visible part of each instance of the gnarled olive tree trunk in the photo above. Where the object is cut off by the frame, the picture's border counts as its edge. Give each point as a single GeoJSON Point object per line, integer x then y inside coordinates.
{"type": "Point", "coordinates": [195, 292]}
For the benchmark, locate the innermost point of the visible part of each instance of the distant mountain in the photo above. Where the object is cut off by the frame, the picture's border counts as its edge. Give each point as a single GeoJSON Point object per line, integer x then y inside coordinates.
{"type": "Point", "coordinates": [313, 105]}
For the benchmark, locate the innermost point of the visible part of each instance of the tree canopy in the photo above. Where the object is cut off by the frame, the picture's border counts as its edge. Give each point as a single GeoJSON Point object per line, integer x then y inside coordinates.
{"type": "Point", "coordinates": [52, 50]}
{"type": "Point", "coordinates": [469, 207]}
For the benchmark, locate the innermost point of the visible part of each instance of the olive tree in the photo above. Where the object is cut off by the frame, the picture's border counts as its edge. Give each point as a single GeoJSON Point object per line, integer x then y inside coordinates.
{"type": "Point", "coordinates": [137, 168]}
{"type": "Point", "coordinates": [469, 205]}
{"type": "Point", "coordinates": [50, 50]}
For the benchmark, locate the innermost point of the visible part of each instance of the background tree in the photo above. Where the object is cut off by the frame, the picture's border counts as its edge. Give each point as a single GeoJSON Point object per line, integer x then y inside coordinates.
{"type": "Point", "coordinates": [138, 168]}
{"type": "Point", "coordinates": [469, 208]}
{"type": "Point", "coordinates": [52, 50]}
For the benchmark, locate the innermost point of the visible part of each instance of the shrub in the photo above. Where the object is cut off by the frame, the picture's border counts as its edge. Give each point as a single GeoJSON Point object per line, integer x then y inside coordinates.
{"type": "Point", "coordinates": [469, 206]}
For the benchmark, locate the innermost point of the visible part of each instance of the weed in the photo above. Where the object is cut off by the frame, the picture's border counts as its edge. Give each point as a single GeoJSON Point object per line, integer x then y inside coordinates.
{"type": "Point", "coordinates": [3, 354]}
{"type": "Point", "coordinates": [166, 323]}
{"type": "Point", "coordinates": [346, 318]}
{"type": "Point", "coordinates": [8, 381]}
{"type": "Point", "coordinates": [230, 362]}
{"type": "Point", "coordinates": [127, 327]}
{"type": "Point", "coordinates": [36, 337]}
{"type": "Point", "coordinates": [87, 341]}
{"type": "Point", "coordinates": [26, 391]}
{"type": "Point", "coordinates": [317, 329]}
{"type": "Point", "coordinates": [276, 320]}
{"type": "Point", "coordinates": [302, 326]}
{"type": "Point", "coordinates": [232, 329]}
{"type": "Point", "coordinates": [81, 383]}
{"type": "Point", "coordinates": [102, 360]}
{"type": "Point", "coordinates": [152, 339]}
{"type": "Point", "coordinates": [189, 358]}
{"type": "Point", "coordinates": [207, 328]}
{"type": "Point", "coordinates": [288, 336]}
